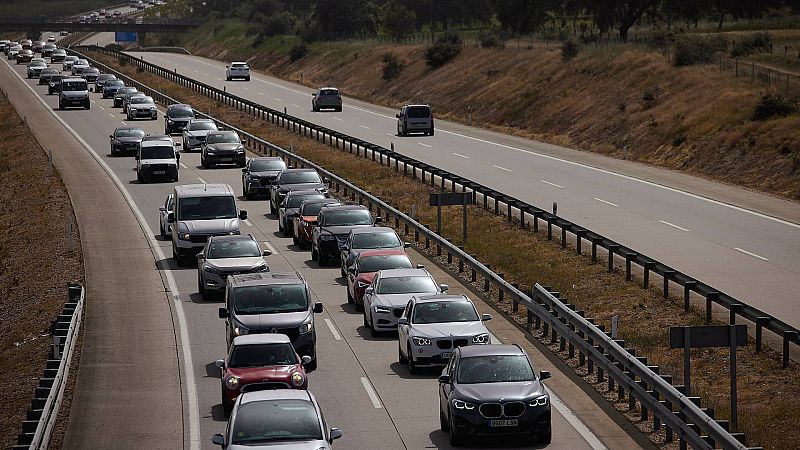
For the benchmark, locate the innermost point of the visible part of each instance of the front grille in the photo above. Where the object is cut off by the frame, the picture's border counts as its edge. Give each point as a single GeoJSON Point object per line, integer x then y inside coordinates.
{"type": "Point", "coordinates": [398, 312]}
{"type": "Point", "coordinates": [513, 409]}
{"type": "Point", "coordinates": [460, 342]}
{"type": "Point", "coordinates": [266, 181]}
{"type": "Point", "coordinates": [155, 167]}
{"type": "Point", "coordinates": [491, 410]}
{"type": "Point", "coordinates": [265, 386]}
{"type": "Point", "coordinates": [444, 344]}
{"type": "Point", "coordinates": [199, 238]}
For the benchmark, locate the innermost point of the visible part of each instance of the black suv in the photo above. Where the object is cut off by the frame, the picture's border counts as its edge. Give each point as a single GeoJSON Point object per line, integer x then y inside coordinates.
{"type": "Point", "coordinates": [294, 180]}
{"type": "Point", "coordinates": [259, 174]}
{"type": "Point", "coordinates": [335, 222]}
{"type": "Point", "coordinates": [177, 117]}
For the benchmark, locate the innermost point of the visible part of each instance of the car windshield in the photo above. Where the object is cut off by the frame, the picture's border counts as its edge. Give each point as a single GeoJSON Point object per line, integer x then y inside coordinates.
{"type": "Point", "coordinates": [113, 83]}
{"type": "Point", "coordinates": [347, 217]}
{"type": "Point", "coordinates": [91, 70]}
{"type": "Point", "coordinates": [223, 138]}
{"type": "Point", "coordinates": [376, 240]}
{"type": "Point", "coordinates": [406, 285]}
{"type": "Point", "coordinates": [180, 112]}
{"type": "Point", "coordinates": [130, 133]}
{"type": "Point", "coordinates": [296, 200]}
{"type": "Point", "coordinates": [418, 112]}
{"type": "Point", "coordinates": [263, 165]}
{"type": "Point", "coordinates": [206, 208]}
{"type": "Point", "coordinates": [239, 65]}
{"type": "Point", "coordinates": [70, 58]}
{"type": "Point", "coordinates": [82, 62]}
{"type": "Point", "coordinates": [59, 52]}
{"type": "Point", "coordinates": [233, 248]}
{"type": "Point", "coordinates": [281, 298]}
{"type": "Point", "coordinates": [275, 420]}
{"type": "Point", "coordinates": [49, 71]}
{"type": "Point", "coordinates": [73, 86]}
{"type": "Point", "coordinates": [125, 91]}
{"type": "Point", "coordinates": [384, 262]}
{"type": "Point", "coordinates": [494, 369]}
{"type": "Point", "coordinates": [328, 92]}
{"type": "Point", "coordinates": [106, 76]}
{"type": "Point", "coordinates": [300, 178]}
{"type": "Point", "coordinates": [158, 152]}
{"type": "Point", "coordinates": [38, 64]}
{"type": "Point", "coordinates": [312, 208]}
{"type": "Point", "coordinates": [202, 126]}
{"type": "Point", "coordinates": [141, 100]}
{"type": "Point", "coordinates": [260, 355]}
{"type": "Point", "coordinates": [440, 312]}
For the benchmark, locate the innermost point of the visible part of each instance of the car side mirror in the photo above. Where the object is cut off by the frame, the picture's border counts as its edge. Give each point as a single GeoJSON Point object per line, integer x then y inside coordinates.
{"type": "Point", "coordinates": [445, 379]}
{"type": "Point", "coordinates": [379, 219]}
{"type": "Point", "coordinates": [335, 433]}
{"type": "Point", "coordinates": [243, 215]}
{"type": "Point", "coordinates": [162, 209]}
{"type": "Point", "coordinates": [397, 115]}
{"type": "Point", "coordinates": [406, 244]}
{"type": "Point", "coordinates": [313, 94]}
{"type": "Point", "coordinates": [266, 253]}
{"type": "Point", "coordinates": [485, 317]}
{"type": "Point", "coordinates": [177, 155]}
{"type": "Point", "coordinates": [351, 269]}
{"type": "Point", "coordinates": [220, 363]}
{"type": "Point", "coordinates": [227, 67]}
{"type": "Point", "coordinates": [223, 313]}
{"type": "Point", "coordinates": [305, 359]}
{"type": "Point", "coordinates": [402, 321]}
{"type": "Point", "coordinates": [218, 439]}
{"type": "Point", "coordinates": [111, 136]}
{"type": "Point", "coordinates": [420, 266]}
{"type": "Point", "coordinates": [369, 291]}
{"type": "Point", "coordinates": [543, 375]}
{"type": "Point", "coordinates": [318, 307]}
{"type": "Point", "coordinates": [244, 169]}
{"type": "Point", "coordinates": [444, 287]}
{"type": "Point", "coordinates": [201, 256]}
{"type": "Point", "coordinates": [171, 218]}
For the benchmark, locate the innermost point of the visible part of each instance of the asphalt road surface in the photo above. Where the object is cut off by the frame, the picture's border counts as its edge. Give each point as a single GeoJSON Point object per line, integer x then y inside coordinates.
{"type": "Point", "coordinates": [359, 384]}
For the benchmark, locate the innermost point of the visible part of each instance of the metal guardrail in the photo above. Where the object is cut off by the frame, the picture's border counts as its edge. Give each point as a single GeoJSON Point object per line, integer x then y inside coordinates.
{"type": "Point", "coordinates": [41, 417]}
{"type": "Point", "coordinates": [179, 50]}
{"type": "Point", "coordinates": [656, 397]}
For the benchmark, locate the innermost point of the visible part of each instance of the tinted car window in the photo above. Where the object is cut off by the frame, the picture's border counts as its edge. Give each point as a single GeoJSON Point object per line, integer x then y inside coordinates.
{"type": "Point", "coordinates": [159, 152]}
{"type": "Point", "coordinates": [130, 133]}
{"type": "Point", "coordinates": [180, 112]}
{"type": "Point", "coordinates": [276, 420]}
{"type": "Point", "coordinates": [494, 369]}
{"type": "Point", "coordinates": [269, 299]}
{"type": "Point", "coordinates": [328, 92]}
{"type": "Point", "coordinates": [73, 86]}
{"type": "Point", "coordinates": [300, 177]}
{"type": "Point", "coordinates": [406, 285]}
{"type": "Point", "coordinates": [239, 248]}
{"type": "Point", "coordinates": [376, 263]}
{"type": "Point", "coordinates": [259, 355]}
{"type": "Point", "coordinates": [296, 200]}
{"type": "Point", "coordinates": [111, 83]}
{"type": "Point", "coordinates": [376, 240]}
{"type": "Point", "coordinates": [223, 138]}
{"type": "Point", "coordinates": [206, 208]}
{"type": "Point", "coordinates": [311, 209]}
{"type": "Point", "coordinates": [450, 311]}
{"type": "Point", "coordinates": [194, 126]}
{"type": "Point", "coordinates": [347, 217]}
{"type": "Point", "coordinates": [141, 100]}
{"type": "Point", "coordinates": [266, 165]}
{"type": "Point", "coordinates": [418, 112]}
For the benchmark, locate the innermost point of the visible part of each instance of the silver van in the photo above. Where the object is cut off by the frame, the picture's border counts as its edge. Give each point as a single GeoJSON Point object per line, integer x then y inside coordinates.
{"type": "Point", "coordinates": [198, 212]}
{"type": "Point", "coordinates": [415, 118]}
{"type": "Point", "coordinates": [74, 92]}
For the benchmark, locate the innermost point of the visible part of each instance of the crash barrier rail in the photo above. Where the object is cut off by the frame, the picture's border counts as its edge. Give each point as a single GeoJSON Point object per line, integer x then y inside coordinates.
{"type": "Point", "coordinates": [492, 198]}
{"type": "Point", "coordinates": [657, 399]}
{"type": "Point", "coordinates": [180, 50]}
{"type": "Point", "coordinates": [41, 416]}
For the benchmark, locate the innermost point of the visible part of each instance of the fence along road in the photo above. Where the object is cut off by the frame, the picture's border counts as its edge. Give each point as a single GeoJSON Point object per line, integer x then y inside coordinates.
{"type": "Point", "coordinates": [403, 418]}
{"type": "Point", "coordinates": [742, 242]}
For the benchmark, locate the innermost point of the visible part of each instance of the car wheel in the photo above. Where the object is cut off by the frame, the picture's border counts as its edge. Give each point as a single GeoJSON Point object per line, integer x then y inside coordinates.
{"type": "Point", "coordinates": [350, 298]}
{"type": "Point", "coordinates": [400, 357]}
{"type": "Point", "coordinates": [443, 425]}
{"type": "Point", "coordinates": [113, 152]}
{"type": "Point", "coordinates": [546, 437]}
{"type": "Point", "coordinates": [341, 272]}
{"type": "Point", "coordinates": [200, 288]}
{"type": "Point", "coordinates": [366, 323]}
{"type": "Point", "coordinates": [247, 78]}
{"type": "Point", "coordinates": [203, 162]}
{"type": "Point", "coordinates": [359, 305]}
{"type": "Point", "coordinates": [431, 133]}
{"type": "Point", "coordinates": [313, 253]}
{"type": "Point", "coordinates": [226, 407]}
{"type": "Point", "coordinates": [323, 259]}
{"type": "Point", "coordinates": [60, 106]}
{"type": "Point", "coordinates": [412, 367]}
{"type": "Point", "coordinates": [455, 440]}
{"type": "Point", "coordinates": [139, 177]}
{"type": "Point", "coordinates": [295, 241]}
{"type": "Point", "coordinates": [175, 180]}
{"type": "Point", "coordinates": [227, 78]}
{"type": "Point", "coordinates": [161, 231]}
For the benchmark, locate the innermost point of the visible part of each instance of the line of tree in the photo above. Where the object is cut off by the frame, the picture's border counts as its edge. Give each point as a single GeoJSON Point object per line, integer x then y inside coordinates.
{"type": "Point", "coordinates": [330, 19]}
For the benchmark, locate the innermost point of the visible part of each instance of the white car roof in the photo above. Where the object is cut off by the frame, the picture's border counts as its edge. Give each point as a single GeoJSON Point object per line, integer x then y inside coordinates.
{"type": "Point", "coordinates": [261, 338]}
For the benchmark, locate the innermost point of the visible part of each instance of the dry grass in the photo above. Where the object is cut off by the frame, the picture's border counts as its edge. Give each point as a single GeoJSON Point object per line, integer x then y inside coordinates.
{"type": "Point", "coordinates": [35, 265]}
{"type": "Point", "coordinates": [526, 257]}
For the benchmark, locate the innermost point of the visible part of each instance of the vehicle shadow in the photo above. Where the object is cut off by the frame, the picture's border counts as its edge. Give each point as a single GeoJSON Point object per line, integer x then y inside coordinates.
{"type": "Point", "coordinates": [366, 334]}
{"type": "Point", "coordinates": [401, 370]}
{"type": "Point", "coordinates": [218, 414]}
{"type": "Point", "coordinates": [170, 264]}
{"type": "Point", "coordinates": [212, 371]}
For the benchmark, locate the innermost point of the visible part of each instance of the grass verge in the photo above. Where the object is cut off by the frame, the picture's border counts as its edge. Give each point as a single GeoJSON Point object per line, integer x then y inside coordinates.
{"type": "Point", "coordinates": [525, 257]}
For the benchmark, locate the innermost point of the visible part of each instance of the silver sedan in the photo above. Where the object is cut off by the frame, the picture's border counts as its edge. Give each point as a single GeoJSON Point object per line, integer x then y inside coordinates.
{"type": "Point", "coordinates": [388, 294]}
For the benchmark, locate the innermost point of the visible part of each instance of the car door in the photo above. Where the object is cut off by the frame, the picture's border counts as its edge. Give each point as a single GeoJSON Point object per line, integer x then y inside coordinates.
{"type": "Point", "coordinates": [368, 297]}
{"type": "Point", "coordinates": [351, 278]}
{"type": "Point", "coordinates": [402, 330]}
{"type": "Point", "coordinates": [343, 256]}
{"type": "Point", "coordinates": [446, 389]}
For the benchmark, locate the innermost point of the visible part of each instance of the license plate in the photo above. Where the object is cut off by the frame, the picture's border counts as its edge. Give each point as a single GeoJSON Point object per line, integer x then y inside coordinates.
{"type": "Point", "coordinates": [504, 423]}
{"type": "Point", "coordinates": [159, 172]}
{"type": "Point", "coordinates": [226, 159]}
{"type": "Point", "coordinates": [446, 355]}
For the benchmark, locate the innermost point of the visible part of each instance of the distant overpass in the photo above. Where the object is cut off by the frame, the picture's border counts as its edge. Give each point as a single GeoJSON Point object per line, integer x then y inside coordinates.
{"type": "Point", "coordinates": [138, 25]}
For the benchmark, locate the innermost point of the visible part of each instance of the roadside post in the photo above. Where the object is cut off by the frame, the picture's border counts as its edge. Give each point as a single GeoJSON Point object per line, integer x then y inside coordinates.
{"type": "Point", "coordinates": [448, 199]}
{"type": "Point", "coordinates": [705, 336]}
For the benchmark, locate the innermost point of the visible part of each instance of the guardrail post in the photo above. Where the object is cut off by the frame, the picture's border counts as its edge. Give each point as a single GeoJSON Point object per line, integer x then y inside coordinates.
{"type": "Point", "coordinates": [710, 297]}
{"type": "Point", "coordinates": [461, 260]}
{"type": "Point", "coordinates": [628, 257]}
{"type": "Point", "coordinates": [687, 288]}
{"type": "Point", "coordinates": [595, 241]}
{"type": "Point", "coordinates": [449, 253]}
{"type": "Point", "coordinates": [427, 237]}
{"type": "Point", "coordinates": [528, 320]}
{"type": "Point", "coordinates": [648, 266]}
{"type": "Point", "coordinates": [486, 281]}
{"type": "Point", "coordinates": [473, 276]}
{"type": "Point", "coordinates": [760, 322]}
{"type": "Point", "coordinates": [667, 276]}
{"type": "Point", "coordinates": [579, 234]}
{"type": "Point", "coordinates": [549, 228]}
{"type": "Point", "coordinates": [536, 221]}
{"type": "Point", "coordinates": [515, 299]}
{"type": "Point", "coordinates": [563, 236]}
{"type": "Point", "coordinates": [611, 249]}
{"type": "Point", "coordinates": [787, 336]}
{"type": "Point", "coordinates": [500, 291]}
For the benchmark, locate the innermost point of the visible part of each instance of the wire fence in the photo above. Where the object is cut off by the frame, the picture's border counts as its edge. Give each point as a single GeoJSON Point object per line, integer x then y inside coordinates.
{"type": "Point", "coordinates": [779, 81]}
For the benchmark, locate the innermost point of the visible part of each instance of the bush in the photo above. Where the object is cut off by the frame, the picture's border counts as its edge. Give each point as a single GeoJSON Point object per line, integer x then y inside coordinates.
{"type": "Point", "coordinates": [569, 49]}
{"type": "Point", "coordinates": [392, 66]}
{"type": "Point", "coordinates": [446, 47]}
{"type": "Point", "coordinates": [491, 39]}
{"type": "Point", "coordinates": [751, 43]}
{"type": "Point", "coordinates": [278, 24]}
{"type": "Point", "coordinates": [297, 52]}
{"type": "Point", "coordinates": [773, 105]}
{"type": "Point", "coordinates": [690, 50]}
{"type": "Point", "coordinates": [114, 47]}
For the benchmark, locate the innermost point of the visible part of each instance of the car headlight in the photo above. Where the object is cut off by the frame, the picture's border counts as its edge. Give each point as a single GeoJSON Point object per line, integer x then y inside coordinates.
{"type": "Point", "coordinates": [297, 379]}
{"type": "Point", "coordinates": [240, 330]}
{"type": "Point", "coordinates": [361, 284]}
{"type": "Point", "coordinates": [210, 152]}
{"type": "Point", "coordinates": [169, 121]}
{"type": "Point", "coordinates": [212, 269]}
{"type": "Point", "coordinates": [185, 236]}
{"type": "Point", "coordinates": [235, 233]}
{"type": "Point", "coordinates": [307, 327]}
{"type": "Point", "coordinates": [421, 341]}
{"type": "Point", "coordinates": [232, 382]}
{"type": "Point", "coordinates": [382, 310]}
{"type": "Point", "coordinates": [539, 401]}
{"type": "Point", "coordinates": [261, 268]}
{"type": "Point", "coordinates": [327, 237]}
{"type": "Point", "coordinates": [461, 404]}
{"type": "Point", "coordinates": [482, 338]}
{"type": "Point", "coordinates": [240, 150]}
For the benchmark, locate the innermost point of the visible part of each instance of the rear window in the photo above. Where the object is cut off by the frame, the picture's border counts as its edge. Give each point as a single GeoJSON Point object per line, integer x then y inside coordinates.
{"type": "Point", "coordinates": [299, 177]}
{"type": "Point", "coordinates": [376, 240]}
{"type": "Point", "coordinates": [194, 126]}
{"type": "Point", "coordinates": [296, 200]}
{"type": "Point", "coordinates": [130, 133]}
{"type": "Point", "coordinates": [418, 112]}
{"type": "Point", "coordinates": [180, 112]}
{"type": "Point", "coordinates": [141, 100]}
{"type": "Point", "coordinates": [263, 165]}
{"type": "Point", "coordinates": [406, 285]}
{"type": "Point", "coordinates": [73, 86]}
{"type": "Point", "coordinates": [239, 65]}
{"type": "Point", "coordinates": [159, 152]}
{"type": "Point", "coordinates": [347, 217]}
{"type": "Point", "coordinates": [223, 138]}
{"type": "Point", "coordinates": [376, 263]}
{"type": "Point", "coordinates": [329, 92]}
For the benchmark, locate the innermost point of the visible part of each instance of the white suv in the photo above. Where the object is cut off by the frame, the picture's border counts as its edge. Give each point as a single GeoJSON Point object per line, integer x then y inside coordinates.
{"type": "Point", "coordinates": [238, 70]}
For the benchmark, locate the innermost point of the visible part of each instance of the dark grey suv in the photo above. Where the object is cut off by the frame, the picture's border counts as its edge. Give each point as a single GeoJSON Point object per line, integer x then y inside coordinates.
{"type": "Point", "coordinates": [329, 237]}
{"type": "Point", "coordinates": [294, 180]}
{"type": "Point", "coordinates": [328, 98]}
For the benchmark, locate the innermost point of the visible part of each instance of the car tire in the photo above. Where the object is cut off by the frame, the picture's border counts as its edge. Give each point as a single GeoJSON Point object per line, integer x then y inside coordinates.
{"type": "Point", "coordinates": [412, 367]}
{"type": "Point", "coordinates": [339, 109]}
{"type": "Point", "coordinates": [359, 305]}
{"type": "Point", "coordinates": [200, 288]}
{"type": "Point", "coordinates": [60, 106]}
{"type": "Point", "coordinates": [455, 440]}
{"type": "Point", "coordinates": [545, 438]}
{"type": "Point", "coordinates": [431, 133]}
{"type": "Point", "coordinates": [227, 78]}
{"type": "Point", "coordinates": [175, 180]}
{"type": "Point", "coordinates": [161, 229]}
{"type": "Point", "coordinates": [400, 357]}
{"type": "Point", "coordinates": [295, 241]}
{"type": "Point", "coordinates": [443, 425]}
{"type": "Point", "coordinates": [247, 78]}
{"type": "Point", "coordinates": [226, 407]}
{"type": "Point", "coordinates": [139, 177]}
{"type": "Point", "coordinates": [113, 152]}
{"type": "Point", "coordinates": [203, 162]}
{"type": "Point", "coordinates": [342, 272]}
{"type": "Point", "coordinates": [313, 253]}
{"type": "Point", "coordinates": [322, 259]}
{"type": "Point", "coordinates": [365, 322]}
{"type": "Point", "coordinates": [350, 299]}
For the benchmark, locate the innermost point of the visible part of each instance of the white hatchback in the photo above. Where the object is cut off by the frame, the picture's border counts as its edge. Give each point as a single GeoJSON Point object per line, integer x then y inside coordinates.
{"type": "Point", "coordinates": [237, 70]}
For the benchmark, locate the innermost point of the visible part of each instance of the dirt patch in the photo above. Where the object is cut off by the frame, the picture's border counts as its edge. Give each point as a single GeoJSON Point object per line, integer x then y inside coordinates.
{"type": "Point", "coordinates": [38, 257]}
{"type": "Point", "coordinates": [523, 257]}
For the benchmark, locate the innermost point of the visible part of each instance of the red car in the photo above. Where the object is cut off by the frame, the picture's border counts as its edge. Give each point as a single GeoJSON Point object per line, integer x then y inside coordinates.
{"type": "Point", "coordinates": [306, 219]}
{"type": "Point", "coordinates": [367, 264]}
{"type": "Point", "coordinates": [260, 361]}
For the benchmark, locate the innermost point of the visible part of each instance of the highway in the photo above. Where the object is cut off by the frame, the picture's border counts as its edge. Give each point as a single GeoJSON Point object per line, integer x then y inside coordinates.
{"type": "Point", "coordinates": [359, 384]}
{"type": "Point", "coordinates": [744, 243]}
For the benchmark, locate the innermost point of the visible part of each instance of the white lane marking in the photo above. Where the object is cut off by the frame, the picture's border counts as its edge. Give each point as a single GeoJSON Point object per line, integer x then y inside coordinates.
{"type": "Point", "coordinates": [295, 105]}
{"type": "Point", "coordinates": [502, 168]}
{"type": "Point", "coordinates": [99, 106]}
{"type": "Point", "coordinates": [184, 166]}
{"type": "Point", "coordinates": [751, 254]}
{"type": "Point", "coordinates": [460, 156]}
{"type": "Point", "coordinates": [373, 397]}
{"type": "Point", "coordinates": [202, 180]}
{"type": "Point", "coordinates": [188, 367]}
{"type": "Point", "coordinates": [112, 115]}
{"type": "Point", "coordinates": [342, 120]}
{"type": "Point", "coordinates": [551, 184]}
{"type": "Point", "coordinates": [673, 225]}
{"type": "Point", "coordinates": [335, 333]}
{"type": "Point", "coordinates": [364, 127]}
{"type": "Point", "coordinates": [219, 79]}
{"type": "Point", "coordinates": [196, 71]}
{"type": "Point", "coordinates": [260, 93]}
{"type": "Point", "coordinates": [576, 422]}
{"type": "Point", "coordinates": [123, 122]}
{"type": "Point", "coordinates": [277, 99]}
{"type": "Point", "coordinates": [606, 202]}
{"type": "Point", "coordinates": [247, 222]}
{"type": "Point", "coordinates": [424, 145]}
{"type": "Point", "coordinates": [244, 88]}
{"type": "Point", "coordinates": [388, 134]}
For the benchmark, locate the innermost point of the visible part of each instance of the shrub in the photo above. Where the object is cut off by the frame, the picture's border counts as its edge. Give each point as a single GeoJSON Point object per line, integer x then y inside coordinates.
{"type": "Point", "coordinates": [773, 105]}
{"type": "Point", "coordinates": [277, 24]}
{"type": "Point", "coordinates": [297, 52]}
{"type": "Point", "coordinates": [491, 39]}
{"type": "Point", "coordinates": [751, 43]}
{"type": "Point", "coordinates": [122, 61]}
{"type": "Point", "coordinates": [569, 49]}
{"type": "Point", "coordinates": [650, 96]}
{"type": "Point", "coordinates": [114, 47]}
{"type": "Point", "coordinates": [446, 47]}
{"type": "Point", "coordinates": [690, 50]}
{"type": "Point", "coordinates": [392, 66]}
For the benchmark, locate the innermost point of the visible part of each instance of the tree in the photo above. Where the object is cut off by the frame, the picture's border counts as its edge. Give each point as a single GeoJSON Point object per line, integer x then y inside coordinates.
{"type": "Point", "coordinates": [620, 13]}
{"type": "Point", "coordinates": [520, 16]}
{"type": "Point", "coordinates": [396, 19]}
{"type": "Point", "coordinates": [338, 18]}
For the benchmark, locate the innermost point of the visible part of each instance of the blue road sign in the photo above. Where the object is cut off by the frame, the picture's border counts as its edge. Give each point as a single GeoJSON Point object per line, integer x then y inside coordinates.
{"type": "Point", "coordinates": [125, 36]}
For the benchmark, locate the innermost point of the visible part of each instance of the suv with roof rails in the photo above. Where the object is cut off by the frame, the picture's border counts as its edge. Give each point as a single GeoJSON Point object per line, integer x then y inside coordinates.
{"type": "Point", "coordinates": [237, 70]}
{"type": "Point", "coordinates": [259, 173]}
{"type": "Point", "coordinates": [413, 119]}
{"type": "Point", "coordinates": [327, 97]}
{"type": "Point", "coordinates": [177, 117]}
{"type": "Point", "coordinates": [334, 224]}
{"type": "Point", "coordinates": [272, 302]}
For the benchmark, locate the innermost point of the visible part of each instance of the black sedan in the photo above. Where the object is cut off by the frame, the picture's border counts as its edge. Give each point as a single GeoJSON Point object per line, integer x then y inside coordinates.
{"type": "Point", "coordinates": [126, 140]}
{"type": "Point", "coordinates": [491, 390]}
